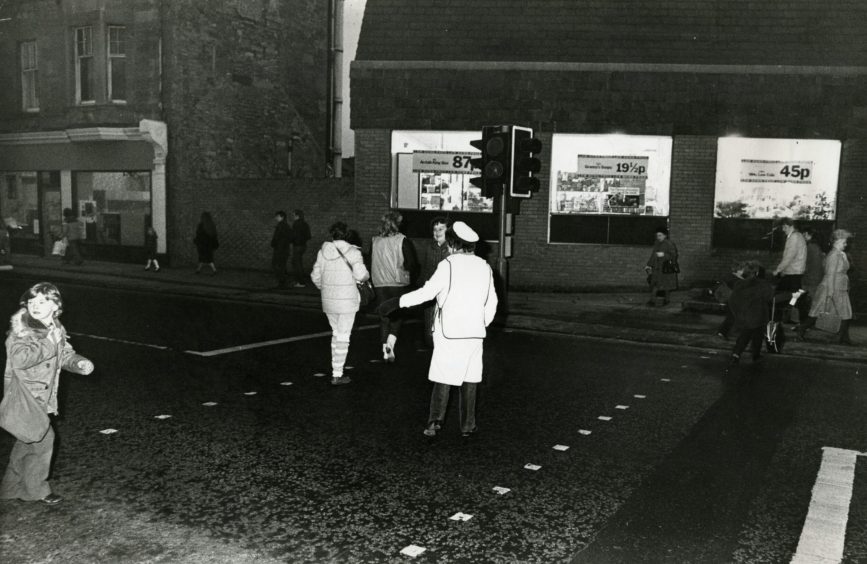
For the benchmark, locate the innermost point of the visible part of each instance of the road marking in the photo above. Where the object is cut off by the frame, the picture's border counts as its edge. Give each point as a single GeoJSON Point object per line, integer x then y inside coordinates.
{"type": "Point", "coordinates": [136, 343]}
{"type": "Point", "coordinates": [241, 348]}
{"type": "Point", "coordinates": [824, 533]}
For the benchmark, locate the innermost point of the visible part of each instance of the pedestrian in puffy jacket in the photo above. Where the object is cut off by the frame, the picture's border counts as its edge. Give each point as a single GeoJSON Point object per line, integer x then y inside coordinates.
{"type": "Point", "coordinates": [338, 269]}
{"type": "Point", "coordinates": [36, 351]}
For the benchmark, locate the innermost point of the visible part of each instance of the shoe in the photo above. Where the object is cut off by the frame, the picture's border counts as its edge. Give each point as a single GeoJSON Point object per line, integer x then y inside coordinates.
{"type": "Point", "coordinates": [430, 430]}
{"type": "Point", "coordinates": [156, 269]}
{"type": "Point", "coordinates": [51, 499]}
{"type": "Point", "coordinates": [389, 354]}
{"type": "Point", "coordinates": [469, 434]}
{"type": "Point", "coordinates": [148, 267]}
{"type": "Point", "coordinates": [299, 285]}
{"type": "Point", "coordinates": [341, 381]}
{"type": "Point", "coordinates": [733, 362]}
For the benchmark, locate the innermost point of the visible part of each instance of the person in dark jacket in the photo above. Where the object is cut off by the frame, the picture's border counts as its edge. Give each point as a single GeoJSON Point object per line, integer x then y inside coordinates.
{"type": "Point", "coordinates": [281, 243]}
{"type": "Point", "coordinates": [662, 267]}
{"type": "Point", "coordinates": [750, 306]}
{"type": "Point", "coordinates": [300, 236]}
{"type": "Point", "coordinates": [435, 251]}
{"type": "Point", "coordinates": [206, 242]}
{"type": "Point", "coordinates": [151, 249]}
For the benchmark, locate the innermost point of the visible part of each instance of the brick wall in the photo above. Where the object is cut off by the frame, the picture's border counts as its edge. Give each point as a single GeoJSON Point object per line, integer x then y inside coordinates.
{"type": "Point", "coordinates": [245, 91]}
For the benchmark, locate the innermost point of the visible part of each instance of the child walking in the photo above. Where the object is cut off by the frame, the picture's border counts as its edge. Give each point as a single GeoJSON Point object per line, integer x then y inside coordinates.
{"type": "Point", "coordinates": [151, 249]}
{"type": "Point", "coordinates": [36, 351]}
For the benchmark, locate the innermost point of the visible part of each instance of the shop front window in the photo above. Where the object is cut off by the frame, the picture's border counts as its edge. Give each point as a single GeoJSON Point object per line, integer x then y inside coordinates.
{"type": "Point", "coordinates": [432, 172]}
{"type": "Point", "coordinates": [761, 180]}
{"type": "Point", "coordinates": [115, 207]}
{"type": "Point", "coordinates": [19, 203]}
{"type": "Point", "coordinates": [610, 189]}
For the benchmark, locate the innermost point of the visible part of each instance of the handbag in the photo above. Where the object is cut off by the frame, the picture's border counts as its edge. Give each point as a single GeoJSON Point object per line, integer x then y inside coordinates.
{"type": "Point", "coordinates": [59, 248]}
{"type": "Point", "coordinates": [829, 321]}
{"type": "Point", "coordinates": [21, 414]}
{"type": "Point", "coordinates": [670, 267]}
{"type": "Point", "coordinates": [366, 293]}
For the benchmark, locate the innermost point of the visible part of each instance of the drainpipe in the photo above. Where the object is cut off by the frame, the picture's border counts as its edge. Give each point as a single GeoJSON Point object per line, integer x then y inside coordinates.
{"type": "Point", "coordinates": [336, 83]}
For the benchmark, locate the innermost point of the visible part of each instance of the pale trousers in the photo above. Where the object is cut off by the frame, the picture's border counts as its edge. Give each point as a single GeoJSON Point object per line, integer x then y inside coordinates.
{"type": "Point", "coordinates": [27, 473]}
{"type": "Point", "coordinates": [341, 329]}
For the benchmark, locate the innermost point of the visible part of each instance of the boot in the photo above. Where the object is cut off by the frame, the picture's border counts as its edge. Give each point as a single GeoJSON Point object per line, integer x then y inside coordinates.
{"type": "Point", "coordinates": [808, 323]}
{"type": "Point", "coordinates": [844, 332]}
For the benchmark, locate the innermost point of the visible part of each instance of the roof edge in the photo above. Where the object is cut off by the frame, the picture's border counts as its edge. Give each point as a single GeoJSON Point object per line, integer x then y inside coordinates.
{"type": "Point", "coordinates": [611, 67]}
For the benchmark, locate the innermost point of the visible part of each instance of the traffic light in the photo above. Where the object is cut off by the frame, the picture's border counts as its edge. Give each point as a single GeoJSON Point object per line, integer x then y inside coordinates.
{"type": "Point", "coordinates": [523, 164]}
{"type": "Point", "coordinates": [495, 163]}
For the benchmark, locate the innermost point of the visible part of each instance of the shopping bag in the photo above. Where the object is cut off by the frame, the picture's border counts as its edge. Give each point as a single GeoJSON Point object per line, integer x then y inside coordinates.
{"type": "Point", "coordinates": [21, 414]}
{"type": "Point", "coordinates": [59, 248]}
{"type": "Point", "coordinates": [775, 337]}
{"type": "Point", "coordinates": [828, 319]}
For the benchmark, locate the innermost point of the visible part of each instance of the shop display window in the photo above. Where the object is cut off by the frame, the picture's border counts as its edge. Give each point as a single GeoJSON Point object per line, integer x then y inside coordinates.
{"type": "Point", "coordinates": [19, 203]}
{"type": "Point", "coordinates": [432, 172]}
{"type": "Point", "coordinates": [609, 189]}
{"type": "Point", "coordinates": [115, 207]}
{"type": "Point", "coordinates": [761, 180]}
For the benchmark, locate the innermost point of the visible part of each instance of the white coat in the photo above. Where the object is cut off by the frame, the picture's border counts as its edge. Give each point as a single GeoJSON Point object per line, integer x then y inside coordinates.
{"type": "Point", "coordinates": [463, 287]}
{"type": "Point", "coordinates": [336, 280]}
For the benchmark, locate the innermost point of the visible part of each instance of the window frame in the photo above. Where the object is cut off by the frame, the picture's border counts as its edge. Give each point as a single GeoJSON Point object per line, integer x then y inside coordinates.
{"type": "Point", "coordinates": [110, 57]}
{"type": "Point", "coordinates": [29, 68]}
{"type": "Point", "coordinates": [84, 43]}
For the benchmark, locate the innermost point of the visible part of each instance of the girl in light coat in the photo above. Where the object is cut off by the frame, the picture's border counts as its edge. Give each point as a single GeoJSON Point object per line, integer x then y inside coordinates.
{"type": "Point", "coordinates": [339, 268]}
{"type": "Point", "coordinates": [36, 351]}
{"type": "Point", "coordinates": [463, 287]}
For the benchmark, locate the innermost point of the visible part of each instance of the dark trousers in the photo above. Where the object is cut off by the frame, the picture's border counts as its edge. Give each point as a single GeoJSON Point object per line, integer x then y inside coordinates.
{"type": "Point", "coordinates": [439, 401]}
{"type": "Point", "coordinates": [298, 263]}
{"type": "Point", "coordinates": [73, 252]}
{"type": "Point", "coordinates": [389, 324]}
{"type": "Point", "coordinates": [427, 328]}
{"type": "Point", "coordinates": [727, 323]}
{"type": "Point", "coordinates": [792, 283]}
{"type": "Point", "coordinates": [754, 337]}
{"type": "Point", "coordinates": [278, 265]}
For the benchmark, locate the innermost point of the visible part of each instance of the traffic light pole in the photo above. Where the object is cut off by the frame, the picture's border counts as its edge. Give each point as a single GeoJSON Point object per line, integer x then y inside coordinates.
{"type": "Point", "coordinates": [502, 261]}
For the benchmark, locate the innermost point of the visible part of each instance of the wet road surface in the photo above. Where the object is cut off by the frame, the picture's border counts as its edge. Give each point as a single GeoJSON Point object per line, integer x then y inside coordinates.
{"type": "Point", "coordinates": [691, 466]}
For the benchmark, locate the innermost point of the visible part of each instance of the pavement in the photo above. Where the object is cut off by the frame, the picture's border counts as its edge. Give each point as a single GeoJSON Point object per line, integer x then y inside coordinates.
{"type": "Point", "coordinates": [620, 316]}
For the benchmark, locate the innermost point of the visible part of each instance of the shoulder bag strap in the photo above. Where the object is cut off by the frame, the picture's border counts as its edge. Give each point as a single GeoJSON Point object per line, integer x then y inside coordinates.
{"type": "Point", "coordinates": [344, 259]}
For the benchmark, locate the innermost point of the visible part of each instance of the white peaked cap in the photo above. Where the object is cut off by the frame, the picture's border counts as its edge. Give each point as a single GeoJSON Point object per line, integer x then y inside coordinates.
{"type": "Point", "coordinates": [465, 232]}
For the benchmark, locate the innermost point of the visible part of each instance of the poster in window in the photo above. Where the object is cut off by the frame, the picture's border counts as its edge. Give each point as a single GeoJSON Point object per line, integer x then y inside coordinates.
{"type": "Point", "coordinates": [610, 174]}
{"type": "Point", "coordinates": [770, 178]}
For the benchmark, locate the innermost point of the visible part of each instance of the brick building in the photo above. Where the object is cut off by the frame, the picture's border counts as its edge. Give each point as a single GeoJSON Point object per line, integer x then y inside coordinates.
{"type": "Point", "coordinates": [675, 92]}
{"type": "Point", "coordinates": [137, 112]}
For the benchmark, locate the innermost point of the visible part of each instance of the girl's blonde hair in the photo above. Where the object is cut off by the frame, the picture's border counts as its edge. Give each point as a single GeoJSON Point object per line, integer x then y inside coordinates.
{"type": "Point", "coordinates": [48, 290]}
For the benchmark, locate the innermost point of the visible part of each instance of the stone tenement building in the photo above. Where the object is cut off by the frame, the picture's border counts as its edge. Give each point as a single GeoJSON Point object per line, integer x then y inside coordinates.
{"type": "Point", "coordinates": [711, 118]}
{"type": "Point", "coordinates": [149, 112]}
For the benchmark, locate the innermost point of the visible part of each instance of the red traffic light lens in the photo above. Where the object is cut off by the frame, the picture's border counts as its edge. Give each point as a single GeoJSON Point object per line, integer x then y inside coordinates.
{"type": "Point", "coordinates": [495, 146]}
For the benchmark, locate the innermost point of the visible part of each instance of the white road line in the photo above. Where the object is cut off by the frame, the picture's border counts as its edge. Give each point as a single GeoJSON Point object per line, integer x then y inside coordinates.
{"type": "Point", "coordinates": [136, 343]}
{"type": "Point", "coordinates": [273, 342]}
{"type": "Point", "coordinates": [824, 534]}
